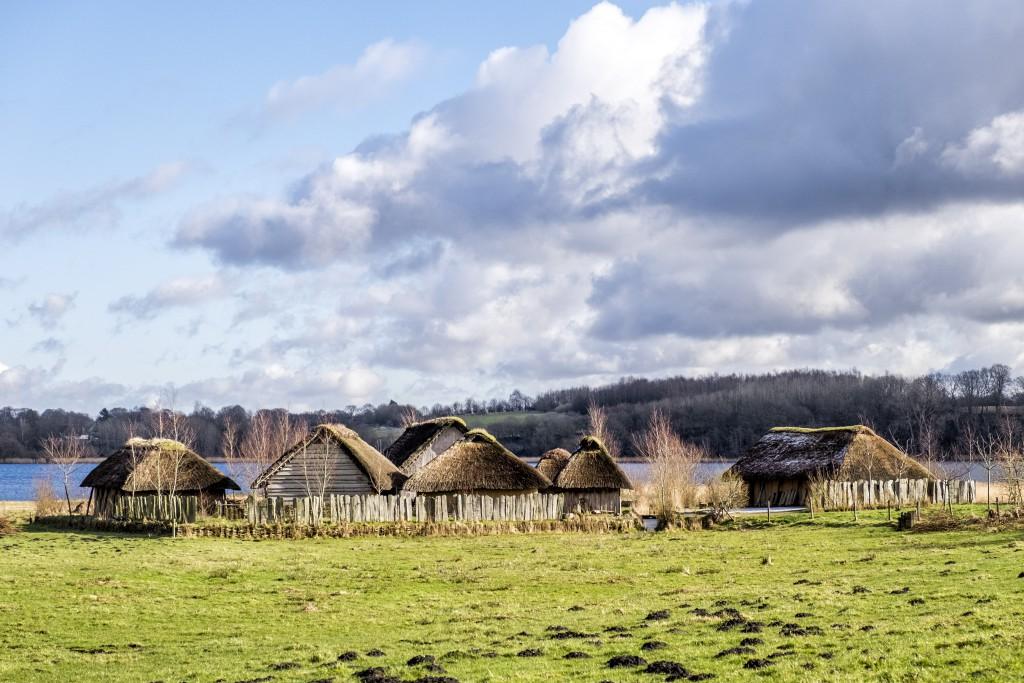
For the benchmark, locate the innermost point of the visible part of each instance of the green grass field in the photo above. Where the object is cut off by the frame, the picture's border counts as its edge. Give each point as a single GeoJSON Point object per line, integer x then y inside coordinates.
{"type": "Point", "coordinates": [837, 601]}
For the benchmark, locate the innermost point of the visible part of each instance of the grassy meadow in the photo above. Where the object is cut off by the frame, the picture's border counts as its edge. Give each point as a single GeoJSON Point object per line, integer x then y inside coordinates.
{"type": "Point", "coordinates": [829, 600]}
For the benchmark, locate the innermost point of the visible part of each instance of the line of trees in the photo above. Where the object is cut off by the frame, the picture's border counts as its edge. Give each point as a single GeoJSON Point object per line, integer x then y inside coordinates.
{"type": "Point", "coordinates": [933, 415]}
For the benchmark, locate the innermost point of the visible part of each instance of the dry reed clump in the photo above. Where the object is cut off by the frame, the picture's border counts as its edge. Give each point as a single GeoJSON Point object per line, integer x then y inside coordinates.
{"type": "Point", "coordinates": [725, 494]}
{"type": "Point", "coordinates": [46, 499]}
{"type": "Point", "coordinates": [7, 527]}
{"type": "Point", "coordinates": [672, 483]}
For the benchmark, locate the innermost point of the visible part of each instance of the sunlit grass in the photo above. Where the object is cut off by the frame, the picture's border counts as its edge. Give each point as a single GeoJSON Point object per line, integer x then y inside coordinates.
{"type": "Point", "coordinates": [832, 599]}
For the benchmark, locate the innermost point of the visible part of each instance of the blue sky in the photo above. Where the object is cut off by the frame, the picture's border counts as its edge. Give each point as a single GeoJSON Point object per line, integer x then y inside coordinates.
{"type": "Point", "coordinates": [327, 204]}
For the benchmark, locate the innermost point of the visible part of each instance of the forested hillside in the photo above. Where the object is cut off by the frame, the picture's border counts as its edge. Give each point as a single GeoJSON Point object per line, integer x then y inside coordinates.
{"type": "Point", "coordinates": [927, 415]}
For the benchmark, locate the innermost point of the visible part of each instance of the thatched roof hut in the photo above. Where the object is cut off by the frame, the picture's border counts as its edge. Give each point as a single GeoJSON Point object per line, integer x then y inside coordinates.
{"type": "Point", "coordinates": [591, 479]}
{"type": "Point", "coordinates": [157, 466]}
{"type": "Point", "coordinates": [330, 459]}
{"type": "Point", "coordinates": [780, 465]}
{"type": "Point", "coordinates": [552, 462]}
{"type": "Point", "coordinates": [422, 442]}
{"type": "Point", "coordinates": [479, 464]}
{"type": "Point", "coordinates": [592, 467]}
{"type": "Point", "coordinates": [144, 467]}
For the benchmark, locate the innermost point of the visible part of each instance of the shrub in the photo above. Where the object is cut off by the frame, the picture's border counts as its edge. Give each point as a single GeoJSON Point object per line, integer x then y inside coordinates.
{"type": "Point", "coordinates": [673, 465]}
{"type": "Point", "coordinates": [7, 527]}
{"type": "Point", "coordinates": [725, 494]}
{"type": "Point", "coordinates": [47, 502]}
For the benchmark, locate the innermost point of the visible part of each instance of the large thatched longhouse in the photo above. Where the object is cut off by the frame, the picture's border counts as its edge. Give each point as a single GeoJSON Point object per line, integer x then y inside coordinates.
{"type": "Point", "coordinates": [591, 479]}
{"type": "Point", "coordinates": [143, 467]}
{"type": "Point", "coordinates": [477, 464]}
{"type": "Point", "coordinates": [420, 443]}
{"type": "Point", "coordinates": [778, 469]}
{"type": "Point", "coordinates": [331, 459]}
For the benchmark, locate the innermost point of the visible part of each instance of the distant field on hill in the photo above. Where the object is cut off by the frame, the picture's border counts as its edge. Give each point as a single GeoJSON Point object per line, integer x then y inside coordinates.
{"type": "Point", "coordinates": [831, 599]}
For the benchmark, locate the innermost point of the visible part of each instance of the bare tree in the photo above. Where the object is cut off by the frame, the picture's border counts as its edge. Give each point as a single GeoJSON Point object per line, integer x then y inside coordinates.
{"type": "Point", "coordinates": [983, 449]}
{"type": "Point", "coordinates": [270, 434]}
{"type": "Point", "coordinates": [1011, 459]}
{"type": "Point", "coordinates": [230, 447]}
{"type": "Point", "coordinates": [673, 465]}
{"type": "Point", "coordinates": [599, 427]}
{"type": "Point", "coordinates": [410, 416]}
{"type": "Point", "coordinates": [166, 468]}
{"type": "Point", "coordinates": [66, 453]}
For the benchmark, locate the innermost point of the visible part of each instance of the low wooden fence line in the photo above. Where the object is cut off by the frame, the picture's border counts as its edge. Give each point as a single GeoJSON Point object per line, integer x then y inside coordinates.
{"type": "Point", "coordinates": [316, 510]}
{"type": "Point", "coordinates": [165, 508]}
{"type": "Point", "coordinates": [843, 495]}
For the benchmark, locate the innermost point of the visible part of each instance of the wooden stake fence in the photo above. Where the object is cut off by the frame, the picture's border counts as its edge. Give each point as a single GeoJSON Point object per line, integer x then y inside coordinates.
{"type": "Point", "coordinates": [846, 495]}
{"type": "Point", "coordinates": [405, 508]}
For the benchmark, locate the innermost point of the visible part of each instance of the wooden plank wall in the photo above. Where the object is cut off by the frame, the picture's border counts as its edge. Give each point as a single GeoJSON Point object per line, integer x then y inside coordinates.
{"type": "Point", "coordinates": [447, 437]}
{"type": "Point", "coordinates": [320, 468]}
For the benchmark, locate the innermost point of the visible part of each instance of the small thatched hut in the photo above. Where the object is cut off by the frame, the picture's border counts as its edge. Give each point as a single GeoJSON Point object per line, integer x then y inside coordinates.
{"type": "Point", "coordinates": [143, 467]}
{"type": "Point", "coordinates": [551, 464]}
{"type": "Point", "coordinates": [778, 469]}
{"type": "Point", "coordinates": [477, 464]}
{"type": "Point", "coordinates": [330, 460]}
{"type": "Point", "coordinates": [422, 442]}
{"type": "Point", "coordinates": [591, 479]}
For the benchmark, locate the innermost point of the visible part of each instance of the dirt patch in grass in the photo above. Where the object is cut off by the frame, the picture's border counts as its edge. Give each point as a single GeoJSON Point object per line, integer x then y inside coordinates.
{"type": "Point", "coordinates": [625, 661]}
{"type": "Point", "coordinates": [667, 668]}
{"type": "Point", "coordinates": [757, 663]}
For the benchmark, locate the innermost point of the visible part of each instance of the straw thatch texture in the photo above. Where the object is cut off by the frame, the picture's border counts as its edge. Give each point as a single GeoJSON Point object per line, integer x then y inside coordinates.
{"type": "Point", "coordinates": [383, 475]}
{"type": "Point", "coordinates": [552, 462]}
{"type": "Point", "coordinates": [840, 453]}
{"type": "Point", "coordinates": [157, 465]}
{"type": "Point", "coordinates": [477, 463]}
{"type": "Point", "coordinates": [407, 449]}
{"type": "Point", "coordinates": [592, 467]}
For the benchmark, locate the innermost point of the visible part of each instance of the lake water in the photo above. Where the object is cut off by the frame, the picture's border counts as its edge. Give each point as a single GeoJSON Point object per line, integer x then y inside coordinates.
{"type": "Point", "coordinates": [17, 480]}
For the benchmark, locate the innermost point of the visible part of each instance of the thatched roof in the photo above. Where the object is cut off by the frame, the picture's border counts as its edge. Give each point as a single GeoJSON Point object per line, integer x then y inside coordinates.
{"type": "Point", "coordinates": [552, 462]}
{"type": "Point", "coordinates": [843, 453]}
{"type": "Point", "coordinates": [419, 436]}
{"type": "Point", "coordinates": [383, 475]}
{"type": "Point", "coordinates": [143, 465]}
{"type": "Point", "coordinates": [592, 467]}
{"type": "Point", "coordinates": [476, 463]}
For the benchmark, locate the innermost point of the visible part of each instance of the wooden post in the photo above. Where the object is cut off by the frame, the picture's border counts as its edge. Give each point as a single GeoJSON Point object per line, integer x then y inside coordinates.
{"type": "Point", "coordinates": [906, 520]}
{"type": "Point", "coordinates": [769, 510]}
{"type": "Point", "coordinates": [888, 510]}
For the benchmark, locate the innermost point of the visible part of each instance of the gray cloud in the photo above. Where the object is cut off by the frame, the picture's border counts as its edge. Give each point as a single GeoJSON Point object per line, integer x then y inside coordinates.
{"type": "Point", "coordinates": [811, 111]}
{"type": "Point", "coordinates": [87, 208]}
{"type": "Point", "coordinates": [49, 310]}
{"type": "Point", "coordinates": [180, 292]}
{"type": "Point", "coordinates": [791, 114]}
{"type": "Point", "coordinates": [49, 345]}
